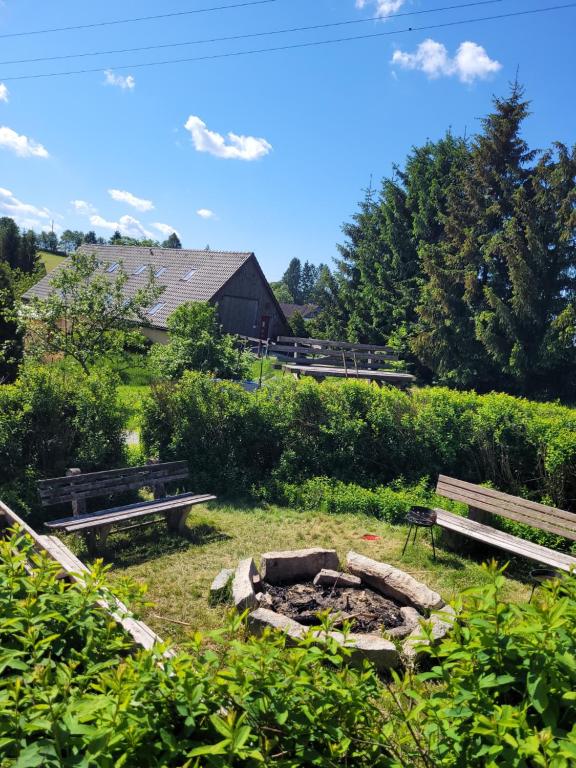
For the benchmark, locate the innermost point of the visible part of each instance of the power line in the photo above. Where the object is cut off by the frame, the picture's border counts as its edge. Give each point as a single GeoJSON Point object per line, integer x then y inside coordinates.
{"type": "Point", "coordinates": [133, 20]}
{"type": "Point", "coordinates": [230, 38]}
{"type": "Point", "coordinates": [294, 46]}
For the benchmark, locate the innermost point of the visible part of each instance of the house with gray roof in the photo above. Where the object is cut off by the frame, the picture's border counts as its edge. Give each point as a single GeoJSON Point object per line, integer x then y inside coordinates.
{"type": "Point", "coordinates": [233, 282]}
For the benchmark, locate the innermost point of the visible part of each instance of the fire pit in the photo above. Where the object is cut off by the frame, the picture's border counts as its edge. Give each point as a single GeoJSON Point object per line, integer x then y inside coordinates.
{"type": "Point", "coordinates": [382, 605]}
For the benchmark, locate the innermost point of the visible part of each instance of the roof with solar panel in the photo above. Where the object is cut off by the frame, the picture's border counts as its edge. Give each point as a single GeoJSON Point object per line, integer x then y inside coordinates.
{"type": "Point", "coordinates": [187, 275]}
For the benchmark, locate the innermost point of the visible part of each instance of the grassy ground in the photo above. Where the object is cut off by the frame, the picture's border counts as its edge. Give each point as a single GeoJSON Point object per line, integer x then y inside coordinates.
{"type": "Point", "coordinates": [131, 397]}
{"type": "Point", "coordinates": [50, 260]}
{"type": "Point", "coordinates": [179, 570]}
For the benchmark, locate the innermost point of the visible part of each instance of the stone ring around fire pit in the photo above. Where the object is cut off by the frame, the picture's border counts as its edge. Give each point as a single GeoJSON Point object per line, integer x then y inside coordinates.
{"type": "Point", "coordinates": [383, 604]}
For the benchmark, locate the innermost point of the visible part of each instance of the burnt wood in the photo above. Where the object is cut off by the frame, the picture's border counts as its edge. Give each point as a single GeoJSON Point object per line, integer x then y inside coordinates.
{"type": "Point", "coordinates": [484, 502]}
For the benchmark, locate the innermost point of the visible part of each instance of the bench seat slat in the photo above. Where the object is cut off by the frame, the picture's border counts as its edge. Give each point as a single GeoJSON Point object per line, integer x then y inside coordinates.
{"type": "Point", "coordinates": [312, 370]}
{"type": "Point", "coordinates": [503, 540]}
{"type": "Point", "coordinates": [547, 518]}
{"type": "Point", "coordinates": [127, 512]}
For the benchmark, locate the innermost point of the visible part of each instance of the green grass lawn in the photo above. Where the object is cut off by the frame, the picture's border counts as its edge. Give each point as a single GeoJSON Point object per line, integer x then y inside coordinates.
{"type": "Point", "coordinates": [50, 260]}
{"type": "Point", "coordinates": [179, 570]}
{"type": "Point", "coordinates": [131, 397]}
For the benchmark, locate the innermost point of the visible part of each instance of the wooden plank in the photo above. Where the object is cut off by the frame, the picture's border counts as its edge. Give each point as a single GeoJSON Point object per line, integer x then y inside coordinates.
{"type": "Point", "coordinates": [332, 343]}
{"type": "Point", "coordinates": [103, 474]}
{"type": "Point", "coordinates": [287, 351]}
{"type": "Point", "coordinates": [528, 519]}
{"type": "Point", "coordinates": [316, 371]}
{"type": "Point", "coordinates": [142, 635]}
{"type": "Point", "coordinates": [500, 495]}
{"type": "Point", "coordinates": [75, 487]}
{"type": "Point", "coordinates": [503, 540]}
{"type": "Point", "coordinates": [115, 514]}
{"type": "Point", "coordinates": [541, 516]}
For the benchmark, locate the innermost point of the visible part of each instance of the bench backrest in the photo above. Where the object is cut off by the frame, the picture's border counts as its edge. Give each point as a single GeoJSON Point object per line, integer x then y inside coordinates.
{"type": "Point", "coordinates": [89, 485]}
{"type": "Point", "coordinates": [342, 354]}
{"type": "Point", "coordinates": [531, 513]}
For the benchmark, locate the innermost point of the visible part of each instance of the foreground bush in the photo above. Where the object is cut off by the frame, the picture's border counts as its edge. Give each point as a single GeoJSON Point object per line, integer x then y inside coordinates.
{"type": "Point", "coordinates": [53, 418]}
{"type": "Point", "coordinates": [358, 433]}
{"type": "Point", "coordinates": [500, 693]}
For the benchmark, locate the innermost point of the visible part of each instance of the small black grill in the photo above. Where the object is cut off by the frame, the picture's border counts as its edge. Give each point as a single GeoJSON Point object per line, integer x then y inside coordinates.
{"type": "Point", "coordinates": [421, 517]}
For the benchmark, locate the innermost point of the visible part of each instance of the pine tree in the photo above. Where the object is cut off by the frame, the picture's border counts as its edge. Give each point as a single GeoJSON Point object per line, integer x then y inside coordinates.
{"type": "Point", "coordinates": [172, 242]}
{"type": "Point", "coordinates": [292, 279]}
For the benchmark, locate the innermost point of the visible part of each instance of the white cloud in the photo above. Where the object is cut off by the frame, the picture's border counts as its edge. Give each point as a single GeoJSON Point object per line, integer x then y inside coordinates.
{"type": "Point", "coordinates": [205, 213]}
{"type": "Point", "coordinates": [471, 61]}
{"type": "Point", "coordinates": [83, 208]}
{"type": "Point", "coordinates": [121, 196]}
{"type": "Point", "coordinates": [21, 145]}
{"type": "Point", "coordinates": [126, 225]}
{"type": "Point", "coordinates": [19, 211]}
{"type": "Point", "coordinates": [166, 229]}
{"type": "Point", "coordinates": [383, 7]}
{"type": "Point", "coordinates": [98, 221]}
{"type": "Point", "coordinates": [126, 82]}
{"type": "Point", "coordinates": [236, 148]}
{"type": "Point", "coordinates": [3, 92]}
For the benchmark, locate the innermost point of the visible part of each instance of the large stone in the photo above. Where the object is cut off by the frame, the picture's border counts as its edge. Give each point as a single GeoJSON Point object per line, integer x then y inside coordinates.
{"type": "Point", "coordinates": [243, 586]}
{"type": "Point", "coordinates": [220, 588]}
{"type": "Point", "coordinates": [441, 623]}
{"type": "Point", "coordinates": [328, 578]}
{"type": "Point", "coordinates": [392, 582]}
{"type": "Point", "coordinates": [262, 619]}
{"type": "Point", "coordinates": [297, 564]}
{"type": "Point", "coordinates": [379, 651]}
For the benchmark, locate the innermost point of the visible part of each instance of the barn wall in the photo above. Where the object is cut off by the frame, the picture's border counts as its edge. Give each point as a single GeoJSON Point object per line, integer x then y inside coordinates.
{"type": "Point", "coordinates": [157, 335]}
{"type": "Point", "coordinates": [244, 300]}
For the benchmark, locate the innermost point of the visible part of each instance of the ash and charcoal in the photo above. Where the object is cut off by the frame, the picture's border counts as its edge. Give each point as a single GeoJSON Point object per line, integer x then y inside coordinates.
{"type": "Point", "coordinates": [366, 610]}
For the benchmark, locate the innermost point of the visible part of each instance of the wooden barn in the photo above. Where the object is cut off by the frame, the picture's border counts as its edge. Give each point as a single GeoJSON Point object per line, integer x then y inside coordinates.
{"type": "Point", "coordinates": [234, 282]}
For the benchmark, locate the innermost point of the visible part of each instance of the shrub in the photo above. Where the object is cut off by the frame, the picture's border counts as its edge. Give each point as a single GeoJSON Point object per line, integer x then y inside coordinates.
{"type": "Point", "coordinates": [73, 695]}
{"type": "Point", "coordinates": [52, 419]}
{"type": "Point", "coordinates": [351, 431]}
{"type": "Point", "coordinates": [390, 503]}
{"type": "Point", "coordinates": [198, 344]}
{"type": "Point", "coordinates": [500, 691]}
{"type": "Point", "coordinates": [217, 427]}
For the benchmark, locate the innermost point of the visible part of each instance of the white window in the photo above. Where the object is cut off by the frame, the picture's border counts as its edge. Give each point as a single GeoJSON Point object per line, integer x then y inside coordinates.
{"type": "Point", "coordinates": [160, 271]}
{"type": "Point", "coordinates": [139, 270]}
{"type": "Point", "coordinates": [188, 275]}
{"type": "Point", "coordinates": [156, 308]}
{"type": "Point", "coordinates": [113, 267]}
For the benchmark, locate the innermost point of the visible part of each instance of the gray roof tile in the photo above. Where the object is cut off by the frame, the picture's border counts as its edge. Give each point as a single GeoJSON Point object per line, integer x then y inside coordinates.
{"type": "Point", "coordinates": [213, 270]}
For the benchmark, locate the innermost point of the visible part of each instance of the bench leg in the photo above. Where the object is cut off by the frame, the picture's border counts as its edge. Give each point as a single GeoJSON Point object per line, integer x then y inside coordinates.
{"type": "Point", "coordinates": [176, 519]}
{"type": "Point", "coordinates": [96, 540]}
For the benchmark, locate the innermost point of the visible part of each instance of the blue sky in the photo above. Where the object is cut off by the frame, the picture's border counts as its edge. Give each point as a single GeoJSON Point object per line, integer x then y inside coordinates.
{"type": "Point", "coordinates": [270, 152]}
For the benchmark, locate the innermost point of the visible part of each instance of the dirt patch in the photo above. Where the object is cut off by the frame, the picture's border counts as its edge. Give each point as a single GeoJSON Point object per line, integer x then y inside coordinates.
{"type": "Point", "coordinates": [366, 610]}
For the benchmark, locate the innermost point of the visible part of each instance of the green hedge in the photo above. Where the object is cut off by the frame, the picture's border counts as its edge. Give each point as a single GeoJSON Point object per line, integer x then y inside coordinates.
{"type": "Point", "coordinates": [51, 419]}
{"type": "Point", "coordinates": [357, 433]}
{"type": "Point", "coordinates": [500, 691]}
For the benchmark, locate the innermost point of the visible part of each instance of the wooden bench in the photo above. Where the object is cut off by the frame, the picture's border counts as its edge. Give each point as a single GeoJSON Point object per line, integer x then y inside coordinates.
{"type": "Point", "coordinates": [322, 358]}
{"type": "Point", "coordinates": [483, 503]}
{"type": "Point", "coordinates": [76, 487]}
